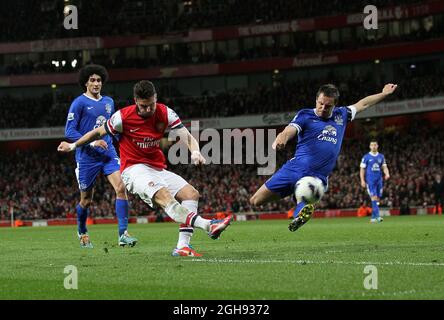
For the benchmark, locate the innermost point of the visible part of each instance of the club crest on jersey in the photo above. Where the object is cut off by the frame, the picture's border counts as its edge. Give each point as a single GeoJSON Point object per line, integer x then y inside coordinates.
{"type": "Point", "coordinates": [100, 121]}
{"type": "Point", "coordinates": [339, 121]}
{"type": "Point", "coordinates": [108, 108]}
{"type": "Point", "coordinates": [329, 134]}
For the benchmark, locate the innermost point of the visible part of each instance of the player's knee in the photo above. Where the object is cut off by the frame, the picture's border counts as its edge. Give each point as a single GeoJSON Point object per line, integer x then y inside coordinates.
{"type": "Point", "coordinates": [194, 194]}
{"type": "Point", "coordinates": [85, 203]}
{"type": "Point", "coordinates": [120, 191]}
{"type": "Point", "coordinates": [254, 201]}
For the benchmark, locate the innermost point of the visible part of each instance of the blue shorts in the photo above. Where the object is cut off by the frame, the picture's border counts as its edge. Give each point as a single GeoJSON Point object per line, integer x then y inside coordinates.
{"type": "Point", "coordinates": [87, 171]}
{"type": "Point", "coordinates": [374, 188]}
{"type": "Point", "coordinates": [284, 180]}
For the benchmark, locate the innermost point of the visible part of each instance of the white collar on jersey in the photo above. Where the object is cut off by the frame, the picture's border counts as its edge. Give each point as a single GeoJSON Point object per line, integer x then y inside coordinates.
{"type": "Point", "coordinates": [314, 110]}
{"type": "Point", "coordinates": [373, 154]}
{"type": "Point", "coordinates": [100, 97]}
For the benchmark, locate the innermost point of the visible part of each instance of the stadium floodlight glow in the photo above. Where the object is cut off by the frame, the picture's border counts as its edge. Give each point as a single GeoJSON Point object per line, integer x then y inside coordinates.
{"type": "Point", "coordinates": [74, 63]}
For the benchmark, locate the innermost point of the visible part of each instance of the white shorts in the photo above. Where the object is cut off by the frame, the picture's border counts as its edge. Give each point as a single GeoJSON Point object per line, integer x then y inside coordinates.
{"type": "Point", "coordinates": [145, 181]}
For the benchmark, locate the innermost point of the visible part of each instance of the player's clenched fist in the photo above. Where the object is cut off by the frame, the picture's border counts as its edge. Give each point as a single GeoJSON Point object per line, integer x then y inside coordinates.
{"type": "Point", "coordinates": [389, 88]}
{"type": "Point", "coordinates": [279, 143]}
{"type": "Point", "coordinates": [197, 158]}
{"type": "Point", "coordinates": [66, 147]}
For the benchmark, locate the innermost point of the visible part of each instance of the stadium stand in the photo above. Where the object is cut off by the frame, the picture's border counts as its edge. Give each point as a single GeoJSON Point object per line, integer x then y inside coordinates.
{"type": "Point", "coordinates": [414, 156]}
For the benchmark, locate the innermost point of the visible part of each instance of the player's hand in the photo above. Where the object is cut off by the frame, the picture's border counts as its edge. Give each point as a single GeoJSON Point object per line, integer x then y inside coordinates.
{"type": "Point", "coordinates": [363, 184]}
{"type": "Point", "coordinates": [66, 147]}
{"type": "Point", "coordinates": [99, 144]}
{"type": "Point", "coordinates": [197, 158]}
{"type": "Point", "coordinates": [389, 88]}
{"type": "Point", "coordinates": [279, 143]}
{"type": "Point", "coordinates": [387, 176]}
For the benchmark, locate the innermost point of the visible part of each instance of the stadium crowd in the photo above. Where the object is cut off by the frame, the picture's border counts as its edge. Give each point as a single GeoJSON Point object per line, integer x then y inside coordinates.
{"type": "Point", "coordinates": [115, 17]}
{"type": "Point", "coordinates": [42, 185]}
{"type": "Point", "coordinates": [183, 53]}
{"type": "Point", "coordinates": [283, 96]}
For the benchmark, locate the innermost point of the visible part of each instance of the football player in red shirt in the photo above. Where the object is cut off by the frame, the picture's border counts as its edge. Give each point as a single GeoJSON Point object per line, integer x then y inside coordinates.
{"type": "Point", "coordinates": [141, 127]}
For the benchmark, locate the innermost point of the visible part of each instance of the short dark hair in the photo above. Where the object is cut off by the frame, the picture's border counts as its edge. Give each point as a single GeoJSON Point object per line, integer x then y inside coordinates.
{"type": "Point", "coordinates": [144, 89]}
{"type": "Point", "coordinates": [329, 90]}
{"type": "Point", "coordinates": [90, 69]}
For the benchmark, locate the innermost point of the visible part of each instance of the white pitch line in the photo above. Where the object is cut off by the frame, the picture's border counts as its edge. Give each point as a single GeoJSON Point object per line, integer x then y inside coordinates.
{"type": "Point", "coordinates": [252, 261]}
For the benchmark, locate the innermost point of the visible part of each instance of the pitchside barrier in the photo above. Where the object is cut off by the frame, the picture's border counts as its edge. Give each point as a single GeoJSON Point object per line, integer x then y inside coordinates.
{"type": "Point", "coordinates": [241, 216]}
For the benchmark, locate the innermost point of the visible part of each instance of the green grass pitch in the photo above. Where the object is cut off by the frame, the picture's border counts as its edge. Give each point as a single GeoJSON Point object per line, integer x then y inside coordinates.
{"type": "Point", "coordinates": [325, 259]}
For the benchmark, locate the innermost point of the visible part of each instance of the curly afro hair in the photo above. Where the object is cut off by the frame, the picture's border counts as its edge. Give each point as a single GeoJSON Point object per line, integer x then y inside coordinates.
{"type": "Point", "coordinates": [90, 69]}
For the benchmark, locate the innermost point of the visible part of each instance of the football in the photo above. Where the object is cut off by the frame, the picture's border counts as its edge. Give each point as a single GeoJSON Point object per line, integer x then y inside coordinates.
{"type": "Point", "coordinates": [309, 189]}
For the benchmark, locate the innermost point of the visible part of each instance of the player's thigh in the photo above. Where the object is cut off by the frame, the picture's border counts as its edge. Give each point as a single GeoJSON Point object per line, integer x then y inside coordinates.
{"type": "Point", "coordinates": [144, 181]}
{"type": "Point", "coordinates": [178, 186]}
{"type": "Point", "coordinates": [264, 195]}
{"type": "Point", "coordinates": [111, 169]}
{"type": "Point", "coordinates": [283, 182]}
{"type": "Point", "coordinates": [86, 173]}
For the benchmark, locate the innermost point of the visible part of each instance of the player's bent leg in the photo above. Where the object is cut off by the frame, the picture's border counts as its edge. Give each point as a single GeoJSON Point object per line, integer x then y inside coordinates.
{"type": "Point", "coordinates": [82, 216]}
{"type": "Point", "coordinates": [263, 195]}
{"type": "Point", "coordinates": [303, 213]}
{"type": "Point", "coordinates": [188, 197]}
{"type": "Point", "coordinates": [180, 214]}
{"type": "Point", "coordinates": [122, 209]}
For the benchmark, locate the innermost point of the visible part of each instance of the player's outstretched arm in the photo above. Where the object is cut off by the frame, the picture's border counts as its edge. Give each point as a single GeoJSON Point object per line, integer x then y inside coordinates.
{"type": "Point", "coordinates": [362, 176]}
{"type": "Point", "coordinates": [193, 146]}
{"type": "Point", "coordinates": [369, 101]}
{"type": "Point", "coordinates": [85, 139]}
{"type": "Point", "coordinates": [283, 137]}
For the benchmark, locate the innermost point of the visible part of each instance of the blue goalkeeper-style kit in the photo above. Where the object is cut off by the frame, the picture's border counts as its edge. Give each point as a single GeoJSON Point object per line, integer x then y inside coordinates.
{"type": "Point", "coordinates": [372, 163]}
{"type": "Point", "coordinates": [318, 147]}
{"type": "Point", "coordinates": [86, 114]}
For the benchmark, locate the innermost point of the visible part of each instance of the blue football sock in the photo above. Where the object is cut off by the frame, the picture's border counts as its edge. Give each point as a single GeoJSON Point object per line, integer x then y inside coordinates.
{"type": "Point", "coordinates": [299, 207]}
{"type": "Point", "coordinates": [82, 215]}
{"type": "Point", "coordinates": [122, 215]}
{"type": "Point", "coordinates": [375, 209]}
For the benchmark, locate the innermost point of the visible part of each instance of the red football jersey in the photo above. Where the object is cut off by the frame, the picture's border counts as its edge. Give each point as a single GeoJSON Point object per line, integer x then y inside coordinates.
{"type": "Point", "coordinates": [140, 138]}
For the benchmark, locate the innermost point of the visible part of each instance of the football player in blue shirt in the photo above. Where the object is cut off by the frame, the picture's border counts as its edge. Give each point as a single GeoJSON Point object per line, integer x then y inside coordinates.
{"type": "Point", "coordinates": [87, 112]}
{"type": "Point", "coordinates": [372, 166]}
{"type": "Point", "coordinates": [320, 133]}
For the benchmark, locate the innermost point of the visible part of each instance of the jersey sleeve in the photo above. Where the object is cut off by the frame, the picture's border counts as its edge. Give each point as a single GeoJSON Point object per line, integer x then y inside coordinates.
{"type": "Point", "coordinates": [383, 161]}
{"type": "Point", "coordinates": [72, 121]}
{"type": "Point", "coordinates": [351, 113]}
{"type": "Point", "coordinates": [115, 124]}
{"type": "Point", "coordinates": [364, 162]}
{"type": "Point", "coordinates": [174, 121]}
{"type": "Point", "coordinates": [298, 121]}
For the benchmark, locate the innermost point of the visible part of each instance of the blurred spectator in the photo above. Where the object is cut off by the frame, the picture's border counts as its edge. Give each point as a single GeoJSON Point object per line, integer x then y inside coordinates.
{"type": "Point", "coordinates": [284, 97]}
{"type": "Point", "coordinates": [438, 190]}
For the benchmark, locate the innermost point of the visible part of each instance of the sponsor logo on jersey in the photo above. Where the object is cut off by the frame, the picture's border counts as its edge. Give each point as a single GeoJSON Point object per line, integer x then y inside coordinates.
{"type": "Point", "coordinates": [329, 134]}
{"type": "Point", "coordinates": [108, 108]}
{"type": "Point", "coordinates": [148, 143]}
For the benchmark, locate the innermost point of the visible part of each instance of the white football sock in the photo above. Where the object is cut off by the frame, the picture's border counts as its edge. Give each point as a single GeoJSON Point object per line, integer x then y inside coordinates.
{"type": "Point", "coordinates": [186, 232]}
